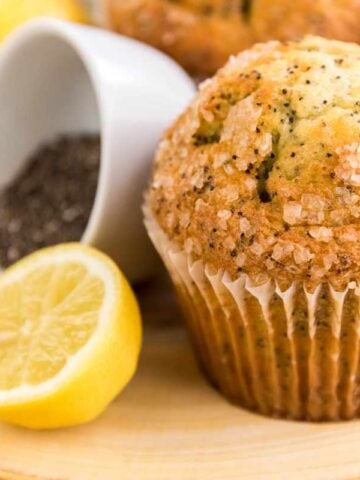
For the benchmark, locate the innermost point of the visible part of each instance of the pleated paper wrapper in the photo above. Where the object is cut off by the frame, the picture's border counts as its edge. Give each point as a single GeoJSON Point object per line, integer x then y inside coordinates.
{"type": "Point", "coordinates": [291, 354]}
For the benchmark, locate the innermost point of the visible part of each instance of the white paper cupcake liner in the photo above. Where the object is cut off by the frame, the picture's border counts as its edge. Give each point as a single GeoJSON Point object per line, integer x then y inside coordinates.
{"type": "Point", "coordinates": [291, 354]}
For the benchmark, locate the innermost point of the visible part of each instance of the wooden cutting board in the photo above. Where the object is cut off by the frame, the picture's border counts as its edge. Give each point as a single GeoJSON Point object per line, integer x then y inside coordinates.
{"type": "Point", "coordinates": [170, 425]}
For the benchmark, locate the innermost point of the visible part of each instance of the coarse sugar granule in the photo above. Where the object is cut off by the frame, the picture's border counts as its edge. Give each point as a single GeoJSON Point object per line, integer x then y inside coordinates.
{"type": "Point", "coordinates": [50, 200]}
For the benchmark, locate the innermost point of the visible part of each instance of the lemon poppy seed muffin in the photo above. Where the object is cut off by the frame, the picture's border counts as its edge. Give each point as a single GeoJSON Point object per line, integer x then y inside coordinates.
{"type": "Point", "coordinates": [201, 34]}
{"type": "Point", "coordinates": [262, 174]}
{"type": "Point", "coordinates": [289, 19]}
{"type": "Point", "coordinates": [254, 206]}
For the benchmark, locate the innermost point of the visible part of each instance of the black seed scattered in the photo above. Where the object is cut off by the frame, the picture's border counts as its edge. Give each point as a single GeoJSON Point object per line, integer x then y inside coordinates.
{"type": "Point", "coordinates": [264, 196]}
{"type": "Point", "coordinates": [293, 154]}
{"type": "Point", "coordinates": [284, 91]}
{"type": "Point", "coordinates": [200, 139]}
{"type": "Point", "coordinates": [233, 253]}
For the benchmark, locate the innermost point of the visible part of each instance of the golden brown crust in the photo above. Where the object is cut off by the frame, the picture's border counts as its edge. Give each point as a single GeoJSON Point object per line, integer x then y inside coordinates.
{"type": "Point", "coordinates": [199, 40]}
{"type": "Point", "coordinates": [261, 174]}
{"type": "Point", "coordinates": [289, 19]}
{"type": "Point", "coordinates": [201, 34]}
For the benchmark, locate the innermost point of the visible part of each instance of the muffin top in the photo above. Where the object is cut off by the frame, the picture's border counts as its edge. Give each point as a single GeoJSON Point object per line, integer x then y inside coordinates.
{"type": "Point", "coordinates": [201, 34]}
{"type": "Point", "coordinates": [261, 174]}
{"type": "Point", "coordinates": [198, 34]}
{"type": "Point", "coordinates": [328, 18]}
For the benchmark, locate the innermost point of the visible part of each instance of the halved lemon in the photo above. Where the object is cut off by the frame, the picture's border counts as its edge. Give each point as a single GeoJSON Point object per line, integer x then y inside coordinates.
{"type": "Point", "coordinates": [14, 13]}
{"type": "Point", "coordinates": [70, 337]}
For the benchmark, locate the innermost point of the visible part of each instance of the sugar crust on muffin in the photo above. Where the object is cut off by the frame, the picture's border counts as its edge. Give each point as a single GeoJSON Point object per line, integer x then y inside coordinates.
{"type": "Point", "coordinates": [261, 174]}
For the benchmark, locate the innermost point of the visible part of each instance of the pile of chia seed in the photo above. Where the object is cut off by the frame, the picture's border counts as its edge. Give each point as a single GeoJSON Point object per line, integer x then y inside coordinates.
{"type": "Point", "coordinates": [50, 200]}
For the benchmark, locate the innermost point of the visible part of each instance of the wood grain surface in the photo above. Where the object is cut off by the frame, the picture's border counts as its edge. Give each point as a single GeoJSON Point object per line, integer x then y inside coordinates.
{"type": "Point", "coordinates": [170, 425]}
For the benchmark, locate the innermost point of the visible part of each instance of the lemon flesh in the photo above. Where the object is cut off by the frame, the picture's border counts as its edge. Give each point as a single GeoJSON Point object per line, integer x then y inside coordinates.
{"type": "Point", "coordinates": [14, 13]}
{"type": "Point", "coordinates": [70, 337]}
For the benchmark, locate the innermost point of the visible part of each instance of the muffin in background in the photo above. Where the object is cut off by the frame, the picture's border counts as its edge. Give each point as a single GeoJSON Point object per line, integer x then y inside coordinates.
{"type": "Point", "coordinates": [201, 34]}
{"type": "Point", "coordinates": [254, 206]}
{"type": "Point", "coordinates": [289, 19]}
{"type": "Point", "coordinates": [197, 34]}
